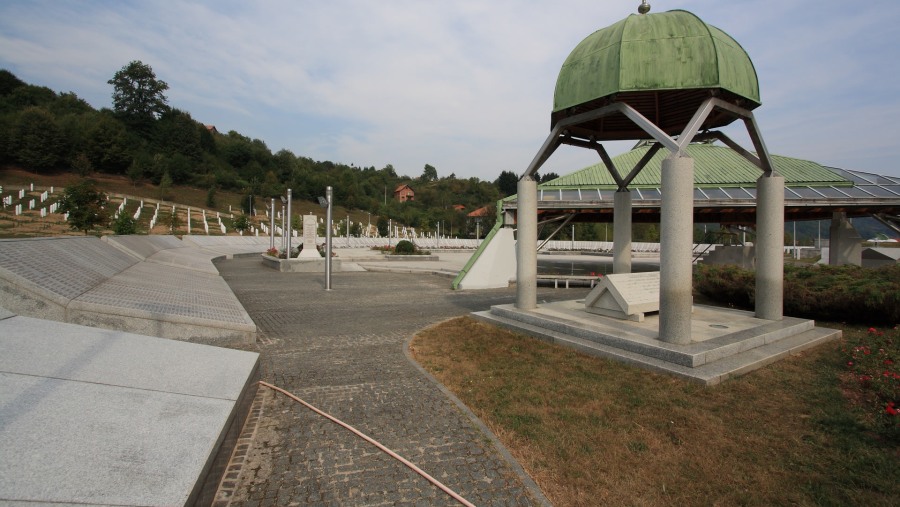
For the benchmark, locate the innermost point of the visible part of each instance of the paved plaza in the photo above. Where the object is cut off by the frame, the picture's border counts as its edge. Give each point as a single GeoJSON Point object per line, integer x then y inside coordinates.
{"type": "Point", "coordinates": [344, 351]}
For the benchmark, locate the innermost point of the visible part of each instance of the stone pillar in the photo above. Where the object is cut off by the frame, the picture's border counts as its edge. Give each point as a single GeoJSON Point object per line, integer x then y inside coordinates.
{"type": "Point", "coordinates": [844, 247]}
{"type": "Point", "coordinates": [676, 249]}
{"type": "Point", "coordinates": [526, 244]}
{"type": "Point", "coordinates": [622, 232]}
{"type": "Point", "coordinates": [770, 247]}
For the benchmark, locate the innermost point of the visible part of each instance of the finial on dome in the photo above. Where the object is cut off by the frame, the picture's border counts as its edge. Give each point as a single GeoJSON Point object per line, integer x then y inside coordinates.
{"type": "Point", "coordinates": [644, 8]}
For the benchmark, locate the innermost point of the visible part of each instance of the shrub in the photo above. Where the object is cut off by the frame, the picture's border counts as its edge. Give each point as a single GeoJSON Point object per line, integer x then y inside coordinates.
{"type": "Point", "coordinates": [405, 247]}
{"type": "Point", "coordinates": [835, 293]}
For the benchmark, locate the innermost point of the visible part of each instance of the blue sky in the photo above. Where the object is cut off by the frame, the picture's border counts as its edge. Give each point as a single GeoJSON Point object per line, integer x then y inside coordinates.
{"type": "Point", "coordinates": [466, 86]}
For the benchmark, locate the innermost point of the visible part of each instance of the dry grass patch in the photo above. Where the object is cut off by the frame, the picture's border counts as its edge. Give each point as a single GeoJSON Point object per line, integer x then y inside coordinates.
{"type": "Point", "coordinates": [595, 432]}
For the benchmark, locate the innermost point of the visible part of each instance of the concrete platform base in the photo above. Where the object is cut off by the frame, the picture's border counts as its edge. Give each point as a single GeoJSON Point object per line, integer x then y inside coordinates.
{"type": "Point", "coordinates": [98, 417]}
{"type": "Point", "coordinates": [300, 265]}
{"type": "Point", "coordinates": [724, 343]}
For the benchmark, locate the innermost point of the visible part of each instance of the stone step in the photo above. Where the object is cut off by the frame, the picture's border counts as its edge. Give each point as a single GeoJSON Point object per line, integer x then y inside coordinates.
{"type": "Point", "coordinates": [709, 373]}
{"type": "Point", "coordinates": [620, 335]}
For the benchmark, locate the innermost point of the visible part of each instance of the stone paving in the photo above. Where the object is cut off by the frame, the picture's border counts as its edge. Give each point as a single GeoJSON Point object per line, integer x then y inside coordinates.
{"type": "Point", "coordinates": [344, 352]}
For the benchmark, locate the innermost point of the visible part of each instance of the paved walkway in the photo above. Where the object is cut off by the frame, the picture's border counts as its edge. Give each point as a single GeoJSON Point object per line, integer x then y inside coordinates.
{"type": "Point", "coordinates": [344, 352]}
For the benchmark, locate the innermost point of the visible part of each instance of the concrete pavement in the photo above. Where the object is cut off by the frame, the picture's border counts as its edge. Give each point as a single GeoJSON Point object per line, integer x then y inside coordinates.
{"type": "Point", "coordinates": [344, 352]}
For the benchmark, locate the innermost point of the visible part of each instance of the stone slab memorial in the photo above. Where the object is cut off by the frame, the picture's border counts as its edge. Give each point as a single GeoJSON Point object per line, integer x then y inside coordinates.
{"type": "Point", "coordinates": [310, 225]}
{"type": "Point", "coordinates": [627, 296]}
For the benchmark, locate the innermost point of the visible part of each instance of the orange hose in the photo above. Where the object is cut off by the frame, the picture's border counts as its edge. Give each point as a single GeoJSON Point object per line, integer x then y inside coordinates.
{"type": "Point", "coordinates": [365, 437]}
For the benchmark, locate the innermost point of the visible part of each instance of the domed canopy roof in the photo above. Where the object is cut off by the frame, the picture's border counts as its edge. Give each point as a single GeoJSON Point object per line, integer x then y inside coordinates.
{"type": "Point", "coordinates": [664, 65]}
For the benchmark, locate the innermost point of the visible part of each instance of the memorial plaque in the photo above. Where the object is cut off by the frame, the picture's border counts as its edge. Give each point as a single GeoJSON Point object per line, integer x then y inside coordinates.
{"type": "Point", "coordinates": [309, 237]}
{"type": "Point", "coordinates": [625, 296]}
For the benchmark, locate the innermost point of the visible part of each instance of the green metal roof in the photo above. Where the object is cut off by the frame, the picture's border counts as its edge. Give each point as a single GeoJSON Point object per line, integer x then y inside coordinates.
{"type": "Point", "coordinates": [714, 166]}
{"type": "Point", "coordinates": [673, 50]}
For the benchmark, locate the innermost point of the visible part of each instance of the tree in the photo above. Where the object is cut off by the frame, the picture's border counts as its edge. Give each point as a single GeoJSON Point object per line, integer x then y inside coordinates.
{"type": "Point", "coordinates": [165, 184]}
{"type": "Point", "coordinates": [85, 205]}
{"type": "Point", "coordinates": [548, 177]}
{"type": "Point", "coordinates": [429, 173]}
{"type": "Point", "coordinates": [241, 223]}
{"type": "Point", "coordinates": [382, 226]}
{"type": "Point", "coordinates": [507, 183]}
{"type": "Point", "coordinates": [35, 140]}
{"type": "Point", "coordinates": [138, 97]}
{"type": "Point", "coordinates": [124, 224]}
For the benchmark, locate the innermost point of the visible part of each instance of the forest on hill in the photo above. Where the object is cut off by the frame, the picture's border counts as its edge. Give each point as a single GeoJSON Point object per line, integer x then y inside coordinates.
{"type": "Point", "coordinates": [146, 140]}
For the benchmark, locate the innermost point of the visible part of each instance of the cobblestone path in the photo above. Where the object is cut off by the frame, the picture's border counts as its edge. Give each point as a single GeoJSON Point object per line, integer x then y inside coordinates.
{"type": "Point", "coordinates": [343, 351]}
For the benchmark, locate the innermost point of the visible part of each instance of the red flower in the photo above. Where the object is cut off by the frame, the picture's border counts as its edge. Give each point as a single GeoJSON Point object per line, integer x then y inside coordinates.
{"type": "Point", "coordinates": [849, 363]}
{"type": "Point", "coordinates": [888, 362]}
{"type": "Point", "coordinates": [890, 410]}
{"type": "Point", "coordinates": [872, 330]}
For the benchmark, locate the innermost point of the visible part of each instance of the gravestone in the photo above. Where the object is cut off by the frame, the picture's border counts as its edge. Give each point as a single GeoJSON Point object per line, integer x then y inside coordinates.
{"type": "Point", "coordinates": [309, 238]}
{"type": "Point", "coordinates": [627, 296]}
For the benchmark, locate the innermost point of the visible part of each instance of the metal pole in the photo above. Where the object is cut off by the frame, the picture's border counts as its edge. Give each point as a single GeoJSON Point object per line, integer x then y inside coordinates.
{"type": "Point", "coordinates": [390, 226]}
{"type": "Point", "coordinates": [328, 240]}
{"type": "Point", "coordinates": [283, 239]}
{"type": "Point", "coordinates": [348, 231]}
{"type": "Point", "coordinates": [288, 230]}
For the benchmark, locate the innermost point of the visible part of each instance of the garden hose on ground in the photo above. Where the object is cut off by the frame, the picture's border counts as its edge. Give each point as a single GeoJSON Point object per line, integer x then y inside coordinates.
{"type": "Point", "coordinates": [365, 437]}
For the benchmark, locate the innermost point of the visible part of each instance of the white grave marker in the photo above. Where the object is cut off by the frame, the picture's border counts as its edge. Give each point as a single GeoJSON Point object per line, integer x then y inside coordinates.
{"type": "Point", "coordinates": [309, 237]}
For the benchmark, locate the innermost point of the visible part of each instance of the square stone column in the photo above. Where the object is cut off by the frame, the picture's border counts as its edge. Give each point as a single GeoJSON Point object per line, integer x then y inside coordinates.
{"type": "Point", "coordinates": [526, 244]}
{"type": "Point", "coordinates": [622, 232]}
{"type": "Point", "coordinates": [676, 249]}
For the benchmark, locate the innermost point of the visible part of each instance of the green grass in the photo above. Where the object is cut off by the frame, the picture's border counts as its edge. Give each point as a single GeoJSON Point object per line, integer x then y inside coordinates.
{"type": "Point", "coordinates": [596, 432]}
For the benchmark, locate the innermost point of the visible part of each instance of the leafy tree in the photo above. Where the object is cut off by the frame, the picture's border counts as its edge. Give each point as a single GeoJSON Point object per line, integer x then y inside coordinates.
{"type": "Point", "coordinates": [107, 146]}
{"type": "Point", "coordinates": [9, 82]}
{"type": "Point", "coordinates": [173, 222]}
{"type": "Point", "coordinates": [165, 184]}
{"type": "Point", "coordinates": [124, 224]}
{"type": "Point", "coordinates": [242, 223]}
{"type": "Point", "coordinates": [507, 183]}
{"type": "Point", "coordinates": [138, 97]}
{"type": "Point", "coordinates": [548, 177]}
{"type": "Point", "coordinates": [177, 133]}
{"type": "Point", "coordinates": [82, 165]}
{"type": "Point", "coordinates": [135, 171]}
{"type": "Point", "coordinates": [382, 225]}
{"type": "Point", "coordinates": [36, 140]}
{"type": "Point", "coordinates": [211, 197]}
{"type": "Point", "coordinates": [429, 173]}
{"type": "Point", "coordinates": [85, 205]}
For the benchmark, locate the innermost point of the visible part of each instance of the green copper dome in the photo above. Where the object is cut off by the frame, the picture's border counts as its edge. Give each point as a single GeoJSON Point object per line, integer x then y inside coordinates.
{"type": "Point", "coordinates": [661, 64]}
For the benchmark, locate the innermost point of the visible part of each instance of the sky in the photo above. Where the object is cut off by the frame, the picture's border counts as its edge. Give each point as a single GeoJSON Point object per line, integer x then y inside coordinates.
{"type": "Point", "coordinates": [465, 86]}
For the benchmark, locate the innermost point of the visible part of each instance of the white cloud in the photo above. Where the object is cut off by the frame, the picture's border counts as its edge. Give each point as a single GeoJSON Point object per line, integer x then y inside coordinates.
{"type": "Point", "coordinates": [466, 86]}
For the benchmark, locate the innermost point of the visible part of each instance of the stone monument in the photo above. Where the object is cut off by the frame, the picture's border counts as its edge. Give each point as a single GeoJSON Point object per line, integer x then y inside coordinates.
{"type": "Point", "coordinates": [310, 251]}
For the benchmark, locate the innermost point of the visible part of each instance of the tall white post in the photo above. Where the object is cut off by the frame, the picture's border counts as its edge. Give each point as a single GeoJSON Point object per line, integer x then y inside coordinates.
{"type": "Point", "coordinates": [288, 220]}
{"type": "Point", "coordinates": [770, 247]}
{"type": "Point", "coordinates": [676, 249]}
{"type": "Point", "coordinates": [328, 198]}
{"type": "Point", "coordinates": [622, 232]}
{"type": "Point", "coordinates": [526, 244]}
{"type": "Point", "coordinates": [271, 225]}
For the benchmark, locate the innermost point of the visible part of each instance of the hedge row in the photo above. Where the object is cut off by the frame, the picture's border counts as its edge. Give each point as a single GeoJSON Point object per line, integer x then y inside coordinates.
{"type": "Point", "coordinates": [833, 293]}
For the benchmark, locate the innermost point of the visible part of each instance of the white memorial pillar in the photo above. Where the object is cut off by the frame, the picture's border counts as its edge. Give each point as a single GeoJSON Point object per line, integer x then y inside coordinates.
{"type": "Point", "coordinates": [770, 247]}
{"type": "Point", "coordinates": [287, 231]}
{"type": "Point", "coordinates": [526, 244]}
{"type": "Point", "coordinates": [676, 249]}
{"type": "Point", "coordinates": [622, 232]}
